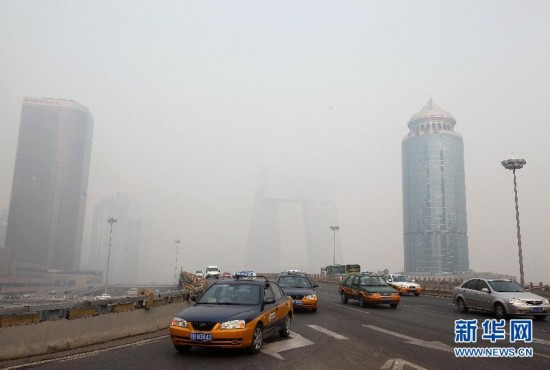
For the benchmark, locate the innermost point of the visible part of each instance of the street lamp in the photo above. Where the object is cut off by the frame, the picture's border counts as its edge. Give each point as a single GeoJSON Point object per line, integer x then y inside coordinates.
{"type": "Point", "coordinates": [516, 164]}
{"type": "Point", "coordinates": [111, 221]}
{"type": "Point", "coordinates": [176, 267]}
{"type": "Point", "coordinates": [334, 228]}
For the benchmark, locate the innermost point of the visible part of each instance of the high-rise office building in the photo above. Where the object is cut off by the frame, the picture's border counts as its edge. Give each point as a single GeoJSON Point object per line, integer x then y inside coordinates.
{"type": "Point", "coordinates": [50, 182]}
{"type": "Point", "coordinates": [434, 194]}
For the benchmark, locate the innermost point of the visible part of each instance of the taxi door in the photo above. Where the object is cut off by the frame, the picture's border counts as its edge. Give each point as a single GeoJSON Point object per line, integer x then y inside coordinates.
{"type": "Point", "coordinates": [348, 287]}
{"type": "Point", "coordinates": [355, 288]}
{"type": "Point", "coordinates": [273, 314]}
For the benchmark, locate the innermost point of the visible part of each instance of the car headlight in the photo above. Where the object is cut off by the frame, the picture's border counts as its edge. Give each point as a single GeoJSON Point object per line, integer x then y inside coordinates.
{"type": "Point", "coordinates": [545, 301]}
{"type": "Point", "coordinates": [176, 321]}
{"type": "Point", "coordinates": [233, 324]}
{"type": "Point", "coordinates": [516, 301]}
{"type": "Point", "coordinates": [311, 296]}
{"type": "Point", "coordinates": [395, 294]}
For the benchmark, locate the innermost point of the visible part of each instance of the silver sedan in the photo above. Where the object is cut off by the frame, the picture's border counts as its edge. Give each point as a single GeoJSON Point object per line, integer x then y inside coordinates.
{"type": "Point", "coordinates": [502, 297]}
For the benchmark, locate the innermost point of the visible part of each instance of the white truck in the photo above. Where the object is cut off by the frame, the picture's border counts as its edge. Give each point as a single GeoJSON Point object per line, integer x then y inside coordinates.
{"type": "Point", "coordinates": [212, 272]}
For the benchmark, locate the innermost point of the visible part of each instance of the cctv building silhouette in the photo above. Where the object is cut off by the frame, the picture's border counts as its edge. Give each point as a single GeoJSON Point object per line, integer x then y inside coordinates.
{"type": "Point", "coordinates": [48, 197]}
{"type": "Point", "coordinates": [312, 202]}
{"type": "Point", "coordinates": [434, 194]}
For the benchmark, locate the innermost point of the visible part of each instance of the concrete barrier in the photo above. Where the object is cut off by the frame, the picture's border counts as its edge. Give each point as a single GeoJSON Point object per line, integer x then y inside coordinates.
{"type": "Point", "coordinates": [19, 319]}
{"type": "Point", "coordinates": [60, 335]}
{"type": "Point", "coordinates": [78, 313]}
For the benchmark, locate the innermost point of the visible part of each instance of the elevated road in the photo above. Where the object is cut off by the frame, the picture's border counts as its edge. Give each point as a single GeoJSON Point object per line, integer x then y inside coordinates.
{"type": "Point", "coordinates": [419, 334]}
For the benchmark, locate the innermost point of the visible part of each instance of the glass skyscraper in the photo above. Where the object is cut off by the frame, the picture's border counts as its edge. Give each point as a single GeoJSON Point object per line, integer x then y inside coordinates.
{"type": "Point", "coordinates": [50, 182]}
{"type": "Point", "coordinates": [434, 194]}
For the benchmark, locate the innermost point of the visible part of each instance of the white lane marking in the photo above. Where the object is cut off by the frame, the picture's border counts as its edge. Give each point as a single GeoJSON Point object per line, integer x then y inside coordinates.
{"type": "Point", "coordinates": [541, 341]}
{"type": "Point", "coordinates": [346, 307]}
{"type": "Point", "coordinates": [411, 340]}
{"type": "Point", "coordinates": [274, 348]}
{"type": "Point", "coordinates": [85, 354]}
{"type": "Point", "coordinates": [398, 364]}
{"type": "Point", "coordinates": [327, 332]}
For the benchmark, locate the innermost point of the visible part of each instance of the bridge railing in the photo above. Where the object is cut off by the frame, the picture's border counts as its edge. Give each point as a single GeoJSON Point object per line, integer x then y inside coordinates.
{"type": "Point", "coordinates": [51, 311]}
{"type": "Point", "coordinates": [437, 285]}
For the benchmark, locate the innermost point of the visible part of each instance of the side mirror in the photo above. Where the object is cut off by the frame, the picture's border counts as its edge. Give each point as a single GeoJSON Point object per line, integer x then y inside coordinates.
{"type": "Point", "coordinates": [485, 290]}
{"type": "Point", "coordinates": [315, 285]}
{"type": "Point", "coordinates": [389, 280]}
{"type": "Point", "coordinates": [269, 300]}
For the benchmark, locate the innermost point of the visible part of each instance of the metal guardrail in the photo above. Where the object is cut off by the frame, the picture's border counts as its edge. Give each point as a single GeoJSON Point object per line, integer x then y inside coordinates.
{"type": "Point", "coordinates": [438, 285]}
{"type": "Point", "coordinates": [28, 314]}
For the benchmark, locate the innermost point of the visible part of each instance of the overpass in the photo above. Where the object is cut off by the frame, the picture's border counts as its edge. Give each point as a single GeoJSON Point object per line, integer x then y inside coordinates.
{"type": "Point", "coordinates": [65, 325]}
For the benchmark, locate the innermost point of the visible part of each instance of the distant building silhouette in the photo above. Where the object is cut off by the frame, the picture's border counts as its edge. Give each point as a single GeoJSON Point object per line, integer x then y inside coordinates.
{"type": "Point", "coordinates": [314, 209]}
{"type": "Point", "coordinates": [434, 194]}
{"type": "Point", "coordinates": [3, 227]}
{"type": "Point", "coordinates": [126, 239]}
{"type": "Point", "coordinates": [50, 182]}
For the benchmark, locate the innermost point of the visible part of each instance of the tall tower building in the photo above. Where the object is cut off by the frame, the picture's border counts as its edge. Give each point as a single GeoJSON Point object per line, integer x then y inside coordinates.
{"type": "Point", "coordinates": [434, 194]}
{"type": "Point", "coordinates": [50, 182]}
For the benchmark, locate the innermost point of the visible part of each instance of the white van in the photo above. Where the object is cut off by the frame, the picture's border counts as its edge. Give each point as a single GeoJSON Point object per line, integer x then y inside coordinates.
{"type": "Point", "coordinates": [212, 271]}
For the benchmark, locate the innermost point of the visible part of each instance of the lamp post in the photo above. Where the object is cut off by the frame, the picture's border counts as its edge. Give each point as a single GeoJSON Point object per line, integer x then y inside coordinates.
{"type": "Point", "coordinates": [176, 267]}
{"type": "Point", "coordinates": [516, 164]}
{"type": "Point", "coordinates": [334, 228]}
{"type": "Point", "coordinates": [111, 221]}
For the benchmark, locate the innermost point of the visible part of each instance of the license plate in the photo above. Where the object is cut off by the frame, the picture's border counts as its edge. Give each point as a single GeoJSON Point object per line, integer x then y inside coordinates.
{"type": "Point", "coordinates": [201, 337]}
{"type": "Point", "coordinates": [536, 309]}
{"type": "Point", "coordinates": [298, 303]}
{"type": "Point", "coordinates": [385, 298]}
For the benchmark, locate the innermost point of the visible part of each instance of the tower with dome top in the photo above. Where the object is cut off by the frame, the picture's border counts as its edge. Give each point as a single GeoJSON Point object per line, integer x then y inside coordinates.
{"type": "Point", "coordinates": [434, 194]}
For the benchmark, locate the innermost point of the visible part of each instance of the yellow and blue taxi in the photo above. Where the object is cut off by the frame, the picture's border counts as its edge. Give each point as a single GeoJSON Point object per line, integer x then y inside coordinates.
{"type": "Point", "coordinates": [368, 289]}
{"type": "Point", "coordinates": [297, 285]}
{"type": "Point", "coordinates": [237, 313]}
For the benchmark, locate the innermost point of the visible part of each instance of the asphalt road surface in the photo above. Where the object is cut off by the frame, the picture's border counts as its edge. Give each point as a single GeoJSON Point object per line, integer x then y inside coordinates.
{"type": "Point", "coordinates": [419, 334]}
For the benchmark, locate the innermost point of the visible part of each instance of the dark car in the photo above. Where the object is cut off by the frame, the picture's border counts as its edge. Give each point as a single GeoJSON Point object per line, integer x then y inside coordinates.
{"type": "Point", "coordinates": [502, 297]}
{"type": "Point", "coordinates": [236, 313]}
{"type": "Point", "coordinates": [300, 288]}
{"type": "Point", "coordinates": [368, 289]}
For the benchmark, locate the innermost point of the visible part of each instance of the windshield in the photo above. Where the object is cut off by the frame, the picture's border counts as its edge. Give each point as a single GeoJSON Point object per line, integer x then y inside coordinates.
{"type": "Point", "coordinates": [372, 281]}
{"type": "Point", "coordinates": [234, 294]}
{"type": "Point", "coordinates": [505, 286]}
{"type": "Point", "coordinates": [402, 279]}
{"type": "Point", "coordinates": [294, 282]}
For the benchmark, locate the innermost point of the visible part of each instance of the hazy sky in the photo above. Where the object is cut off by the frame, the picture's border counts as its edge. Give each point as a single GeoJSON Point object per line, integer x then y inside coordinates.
{"type": "Point", "coordinates": [192, 98]}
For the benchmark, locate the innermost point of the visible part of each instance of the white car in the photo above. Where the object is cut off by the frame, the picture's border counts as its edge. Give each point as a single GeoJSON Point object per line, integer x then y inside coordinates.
{"type": "Point", "coordinates": [212, 272]}
{"type": "Point", "coordinates": [199, 273]}
{"type": "Point", "coordinates": [403, 284]}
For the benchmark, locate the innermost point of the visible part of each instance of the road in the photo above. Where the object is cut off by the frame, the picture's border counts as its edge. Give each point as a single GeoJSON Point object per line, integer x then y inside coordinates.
{"type": "Point", "coordinates": [418, 334]}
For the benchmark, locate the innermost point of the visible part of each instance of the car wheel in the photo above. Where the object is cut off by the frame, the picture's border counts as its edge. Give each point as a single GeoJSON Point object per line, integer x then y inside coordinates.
{"type": "Point", "coordinates": [285, 332]}
{"type": "Point", "coordinates": [500, 311]}
{"type": "Point", "coordinates": [362, 302]}
{"type": "Point", "coordinates": [393, 305]}
{"type": "Point", "coordinates": [540, 318]}
{"type": "Point", "coordinates": [343, 298]}
{"type": "Point", "coordinates": [257, 340]}
{"type": "Point", "coordinates": [183, 349]}
{"type": "Point", "coordinates": [461, 305]}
